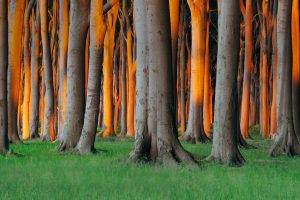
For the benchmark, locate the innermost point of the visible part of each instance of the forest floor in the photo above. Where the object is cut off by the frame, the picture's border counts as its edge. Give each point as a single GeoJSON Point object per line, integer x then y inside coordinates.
{"type": "Point", "coordinates": [42, 173]}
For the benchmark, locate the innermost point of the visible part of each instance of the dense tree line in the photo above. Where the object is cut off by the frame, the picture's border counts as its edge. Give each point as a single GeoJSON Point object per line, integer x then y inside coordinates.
{"type": "Point", "coordinates": [157, 70]}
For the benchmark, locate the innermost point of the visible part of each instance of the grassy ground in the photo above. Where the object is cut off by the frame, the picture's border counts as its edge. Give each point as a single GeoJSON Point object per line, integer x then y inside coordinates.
{"type": "Point", "coordinates": [42, 173]}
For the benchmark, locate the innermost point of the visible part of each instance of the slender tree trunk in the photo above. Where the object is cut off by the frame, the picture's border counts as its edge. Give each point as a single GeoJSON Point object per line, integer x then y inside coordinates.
{"type": "Point", "coordinates": [49, 106]}
{"type": "Point", "coordinates": [225, 147]}
{"type": "Point", "coordinates": [14, 66]}
{"type": "Point", "coordinates": [4, 145]}
{"type": "Point", "coordinates": [97, 33]}
{"type": "Point", "coordinates": [35, 67]}
{"type": "Point", "coordinates": [286, 140]}
{"type": "Point", "coordinates": [296, 65]}
{"type": "Point", "coordinates": [247, 70]}
{"type": "Point", "coordinates": [154, 64]}
{"type": "Point", "coordinates": [74, 118]}
{"type": "Point", "coordinates": [108, 129]}
{"type": "Point", "coordinates": [27, 88]}
{"type": "Point", "coordinates": [63, 56]}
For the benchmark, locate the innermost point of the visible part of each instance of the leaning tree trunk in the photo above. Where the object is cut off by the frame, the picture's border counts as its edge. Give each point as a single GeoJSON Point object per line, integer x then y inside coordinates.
{"type": "Point", "coordinates": [35, 54]}
{"type": "Point", "coordinates": [4, 145]}
{"type": "Point", "coordinates": [155, 101]}
{"type": "Point", "coordinates": [97, 33]}
{"type": "Point", "coordinates": [14, 66]}
{"type": "Point", "coordinates": [225, 148]}
{"type": "Point", "coordinates": [287, 140]}
{"type": "Point", "coordinates": [195, 129]}
{"type": "Point", "coordinates": [48, 73]}
{"type": "Point", "coordinates": [63, 56]}
{"type": "Point", "coordinates": [74, 118]}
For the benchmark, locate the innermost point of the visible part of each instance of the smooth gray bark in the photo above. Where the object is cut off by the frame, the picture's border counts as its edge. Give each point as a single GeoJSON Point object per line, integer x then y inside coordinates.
{"type": "Point", "coordinates": [225, 147]}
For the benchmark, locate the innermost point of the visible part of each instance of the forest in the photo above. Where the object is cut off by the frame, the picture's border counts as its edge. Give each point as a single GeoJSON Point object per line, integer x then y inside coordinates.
{"type": "Point", "coordinates": [180, 89]}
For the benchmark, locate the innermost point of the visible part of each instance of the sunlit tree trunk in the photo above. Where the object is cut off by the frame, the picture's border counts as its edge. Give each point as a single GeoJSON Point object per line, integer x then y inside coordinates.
{"type": "Point", "coordinates": [112, 15]}
{"type": "Point", "coordinates": [48, 133]}
{"type": "Point", "coordinates": [35, 67]}
{"type": "Point", "coordinates": [63, 56]}
{"type": "Point", "coordinates": [225, 148]}
{"type": "Point", "coordinates": [74, 118]}
{"type": "Point", "coordinates": [207, 78]}
{"type": "Point", "coordinates": [264, 80]}
{"type": "Point", "coordinates": [97, 33]}
{"type": "Point", "coordinates": [14, 66]}
{"type": "Point", "coordinates": [273, 125]}
{"type": "Point", "coordinates": [195, 129]}
{"type": "Point", "coordinates": [247, 70]}
{"type": "Point", "coordinates": [296, 65]}
{"type": "Point", "coordinates": [27, 88]}
{"type": "Point", "coordinates": [131, 84]}
{"type": "Point", "coordinates": [4, 145]}
{"type": "Point", "coordinates": [287, 140]}
{"type": "Point", "coordinates": [154, 64]}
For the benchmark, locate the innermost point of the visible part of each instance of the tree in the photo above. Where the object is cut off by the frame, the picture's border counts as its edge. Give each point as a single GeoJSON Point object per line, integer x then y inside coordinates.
{"type": "Point", "coordinates": [74, 118]}
{"type": "Point", "coordinates": [287, 140]}
{"type": "Point", "coordinates": [97, 33]}
{"type": "Point", "coordinates": [225, 149]}
{"type": "Point", "coordinates": [35, 67]}
{"type": "Point", "coordinates": [27, 69]}
{"type": "Point", "coordinates": [195, 128]}
{"type": "Point", "coordinates": [63, 56]}
{"type": "Point", "coordinates": [155, 128]}
{"type": "Point", "coordinates": [4, 145]}
{"type": "Point", "coordinates": [48, 73]}
{"type": "Point", "coordinates": [247, 69]}
{"type": "Point", "coordinates": [14, 66]}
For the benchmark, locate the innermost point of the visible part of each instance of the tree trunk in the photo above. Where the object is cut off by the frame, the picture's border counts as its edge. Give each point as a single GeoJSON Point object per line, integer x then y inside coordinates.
{"type": "Point", "coordinates": [155, 141]}
{"type": "Point", "coordinates": [225, 148]}
{"type": "Point", "coordinates": [49, 107]}
{"type": "Point", "coordinates": [195, 129]}
{"type": "Point", "coordinates": [4, 145]}
{"type": "Point", "coordinates": [35, 67]}
{"type": "Point", "coordinates": [14, 66]}
{"type": "Point", "coordinates": [74, 118]}
{"type": "Point", "coordinates": [27, 88]}
{"type": "Point", "coordinates": [287, 140]}
{"type": "Point", "coordinates": [296, 65]}
{"type": "Point", "coordinates": [108, 124]}
{"type": "Point", "coordinates": [247, 70]}
{"type": "Point", "coordinates": [97, 33]}
{"type": "Point", "coordinates": [63, 56]}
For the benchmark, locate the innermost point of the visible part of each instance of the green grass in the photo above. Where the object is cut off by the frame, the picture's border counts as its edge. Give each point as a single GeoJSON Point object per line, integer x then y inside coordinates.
{"type": "Point", "coordinates": [42, 173]}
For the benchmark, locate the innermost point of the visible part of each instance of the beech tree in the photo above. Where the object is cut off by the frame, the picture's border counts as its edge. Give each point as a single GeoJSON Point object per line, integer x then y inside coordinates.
{"type": "Point", "coordinates": [74, 116]}
{"type": "Point", "coordinates": [4, 145]}
{"type": "Point", "coordinates": [97, 33]}
{"type": "Point", "coordinates": [155, 128]}
{"type": "Point", "coordinates": [14, 66]}
{"type": "Point", "coordinates": [287, 140]}
{"type": "Point", "coordinates": [225, 148]}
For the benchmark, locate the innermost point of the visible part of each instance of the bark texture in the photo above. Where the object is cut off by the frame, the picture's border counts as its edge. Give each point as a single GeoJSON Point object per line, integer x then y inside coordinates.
{"type": "Point", "coordinates": [74, 118]}
{"type": "Point", "coordinates": [287, 140]}
{"type": "Point", "coordinates": [225, 147]}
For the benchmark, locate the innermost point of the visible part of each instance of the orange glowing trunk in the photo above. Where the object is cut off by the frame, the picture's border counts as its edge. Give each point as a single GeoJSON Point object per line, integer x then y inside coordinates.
{"type": "Point", "coordinates": [207, 118]}
{"type": "Point", "coordinates": [244, 123]}
{"type": "Point", "coordinates": [108, 129]}
{"type": "Point", "coordinates": [131, 85]}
